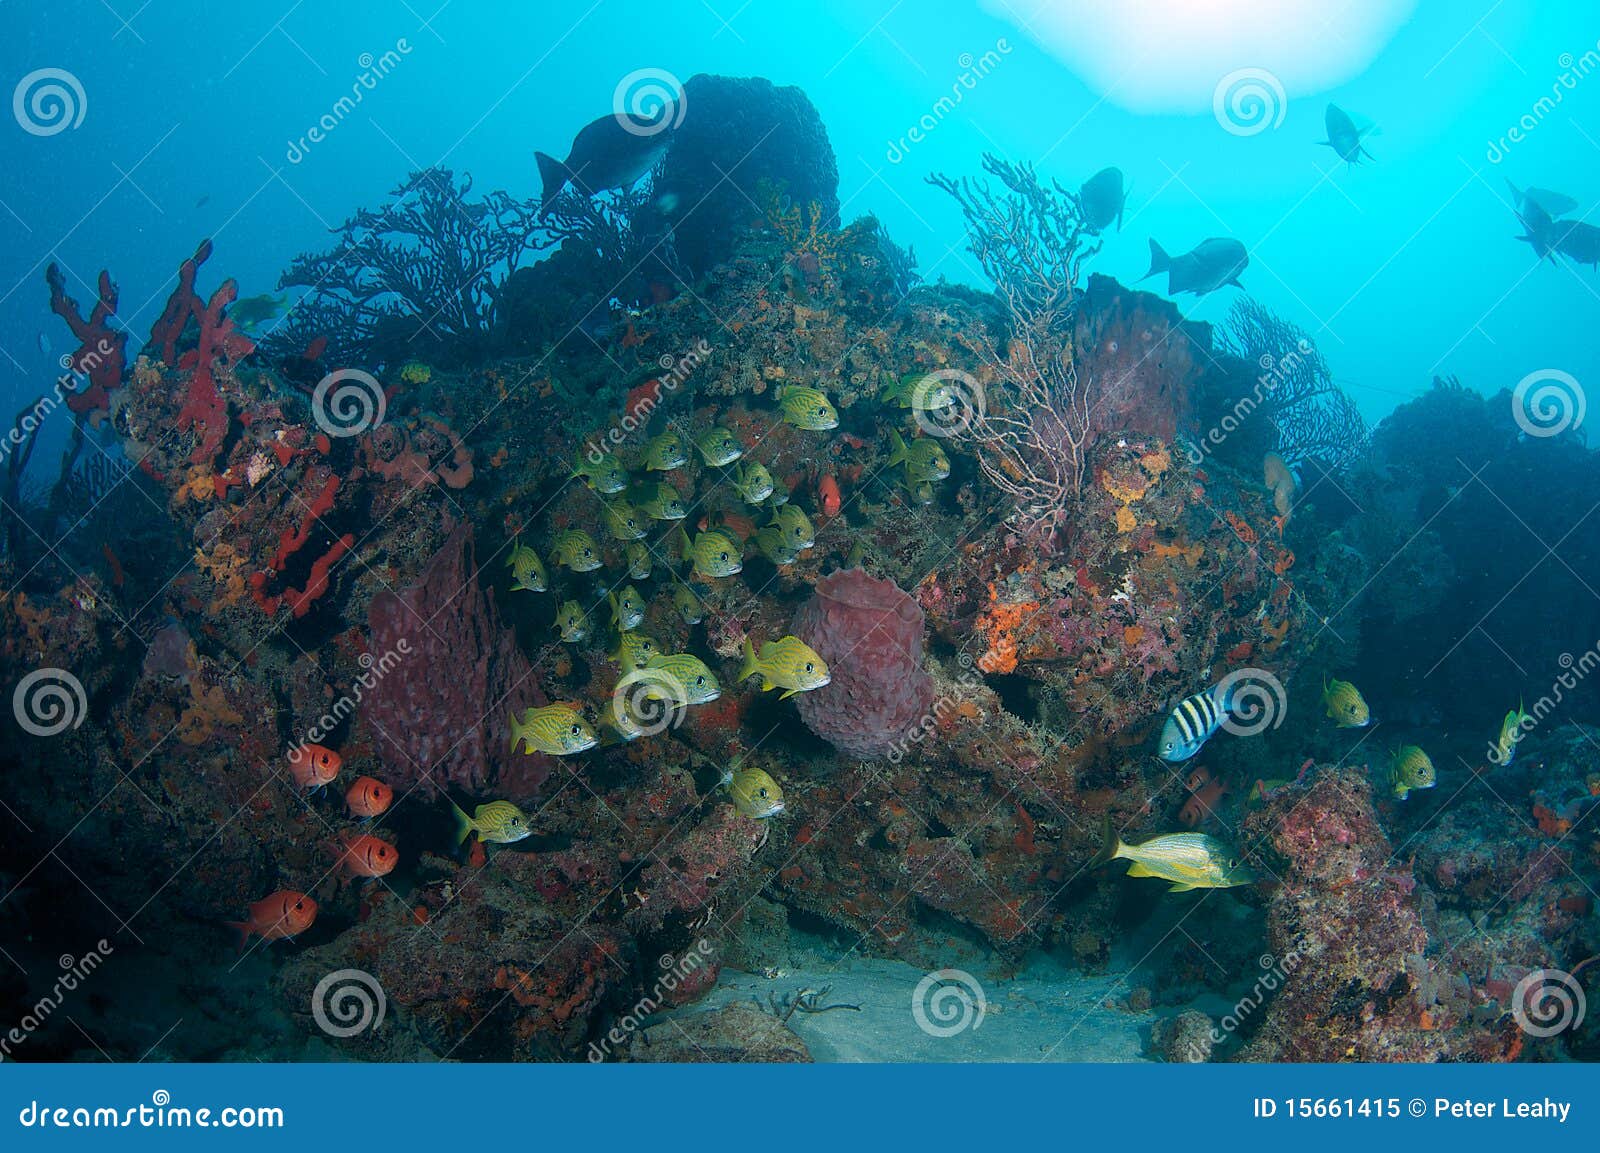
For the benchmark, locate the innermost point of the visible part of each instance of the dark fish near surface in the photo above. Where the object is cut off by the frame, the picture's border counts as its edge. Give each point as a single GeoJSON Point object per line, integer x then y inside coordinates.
{"type": "Point", "coordinates": [1344, 137]}
{"type": "Point", "coordinates": [1539, 230]}
{"type": "Point", "coordinates": [611, 152]}
{"type": "Point", "coordinates": [1205, 268]}
{"type": "Point", "coordinates": [1102, 199]}
{"type": "Point", "coordinates": [1550, 203]}
{"type": "Point", "coordinates": [1578, 242]}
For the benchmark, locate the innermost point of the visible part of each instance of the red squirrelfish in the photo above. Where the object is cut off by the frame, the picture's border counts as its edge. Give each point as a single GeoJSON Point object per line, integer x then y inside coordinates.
{"type": "Point", "coordinates": [282, 916]}
{"type": "Point", "coordinates": [313, 765]}
{"type": "Point", "coordinates": [368, 797]}
{"type": "Point", "coordinates": [363, 855]}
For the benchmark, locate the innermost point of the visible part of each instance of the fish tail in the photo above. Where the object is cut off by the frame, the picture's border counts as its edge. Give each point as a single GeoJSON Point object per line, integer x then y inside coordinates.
{"type": "Point", "coordinates": [1110, 844]}
{"type": "Point", "coordinates": [1159, 260]}
{"type": "Point", "coordinates": [519, 730]}
{"type": "Point", "coordinates": [463, 822]}
{"type": "Point", "coordinates": [553, 175]}
{"type": "Point", "coordinates": [685, 549]}
{"type": "Point", "coordinates": [243, 929]}
{"type": "Point", "coordinates": [749, 665]}
{"type": "Point", "coordinates": [898, 450]}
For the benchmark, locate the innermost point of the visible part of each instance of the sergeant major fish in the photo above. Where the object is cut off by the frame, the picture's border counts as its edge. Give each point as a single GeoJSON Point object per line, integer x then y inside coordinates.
{"type": "Point", "coordinates": [1194, 721]}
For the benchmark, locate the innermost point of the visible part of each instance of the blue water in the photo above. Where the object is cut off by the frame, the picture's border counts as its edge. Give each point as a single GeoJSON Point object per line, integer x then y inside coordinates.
{"type": "Point", "coordinates": [1403, 268]}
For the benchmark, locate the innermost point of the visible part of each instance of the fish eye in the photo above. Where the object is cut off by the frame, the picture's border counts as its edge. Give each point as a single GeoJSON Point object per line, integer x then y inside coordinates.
{"type": "Point", "coordinates": [699, 680]}
{"type": "Point", "coordinates": [576, 730]}
{"type": "Point", "coordinates": [762, 791]}
{"type": "Point", "coordinates": [724, 554]}
{"type": "Point", "coordinates": [810, 667]}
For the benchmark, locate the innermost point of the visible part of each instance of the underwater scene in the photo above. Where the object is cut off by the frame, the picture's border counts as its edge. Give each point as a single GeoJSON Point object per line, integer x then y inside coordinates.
{"type": "Point", "coordinates": [937, 531]}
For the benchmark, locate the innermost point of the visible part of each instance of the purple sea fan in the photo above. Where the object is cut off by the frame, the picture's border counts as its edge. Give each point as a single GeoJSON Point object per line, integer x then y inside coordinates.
{"type": "Point", "coordinates": [870, 633]}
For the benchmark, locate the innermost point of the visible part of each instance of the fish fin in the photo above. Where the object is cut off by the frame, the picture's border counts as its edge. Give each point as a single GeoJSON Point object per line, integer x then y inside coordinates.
{"type": "Point", "coordinates": [1159, 260]}
{"type": "Point", "coordinates": [787, 693]}
{"type": "Point", "coordinates": [1110, 845]}
{"type": "Point", "coordinates": [553, 175]}
{"type": "Point", "coordinates": [463, 822]}
{"type": "Point", "coordinates": [897, 449]}
{"type": "Point", "coordinates": [1180, 887]}
{"type": "Point", "coordinates": [243, 929]}
{"type": "Point", "coordinates": [519, 730]}
{"type": "Point", "coordinates": [749, 665]}
{"type": "Point", "coordinates": [1138, 870]}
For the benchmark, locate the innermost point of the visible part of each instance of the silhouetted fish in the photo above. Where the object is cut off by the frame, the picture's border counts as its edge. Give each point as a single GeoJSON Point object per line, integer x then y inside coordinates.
{"type": "Point", "coordinates": [1210, 265]}
{"type": "Point", "coordinates": [1578, 242]}
{"type": "Point", "coordinates": [1539, 229]}
{"type": "Point", "coordinates": [1102, 198]}
{"type": "Point", "coordinates": [1552, 204]}
{"type": "Point", "coordinates": [1344, 137]}
{"type": "Point", "coordinates": [611, 152]}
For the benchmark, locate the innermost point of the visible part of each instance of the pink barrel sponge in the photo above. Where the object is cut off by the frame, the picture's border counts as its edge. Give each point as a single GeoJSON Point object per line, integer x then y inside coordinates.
{"type": "Point", "coordinates": [870, 633]}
